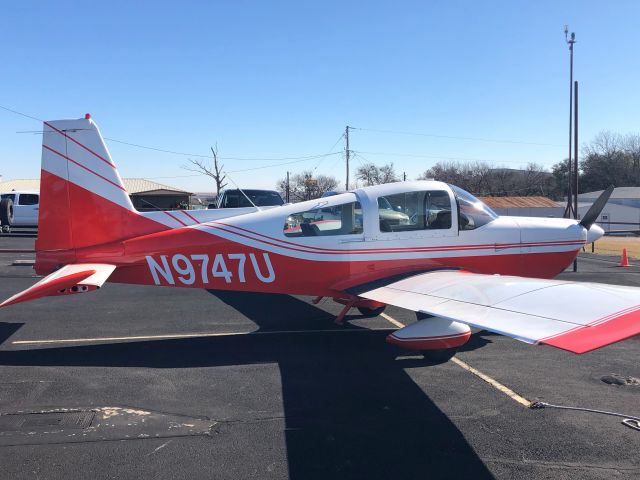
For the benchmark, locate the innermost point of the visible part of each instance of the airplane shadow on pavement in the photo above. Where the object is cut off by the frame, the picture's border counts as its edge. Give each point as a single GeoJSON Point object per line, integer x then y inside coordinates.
{"type": "Point", "coordinates": [8, 329]}
{"type": "Point", "coordinates": [351, 410]}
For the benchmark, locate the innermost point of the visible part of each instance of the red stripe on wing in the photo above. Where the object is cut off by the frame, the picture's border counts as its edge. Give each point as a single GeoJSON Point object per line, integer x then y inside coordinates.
{"type": "Point", "coordinates": [584, 339]}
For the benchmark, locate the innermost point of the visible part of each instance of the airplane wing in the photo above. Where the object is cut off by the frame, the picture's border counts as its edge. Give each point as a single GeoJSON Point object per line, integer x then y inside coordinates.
{"type": "Point", "coordinates": [578, 317]}
{"type": "Point", "coordinates": [70, 279]}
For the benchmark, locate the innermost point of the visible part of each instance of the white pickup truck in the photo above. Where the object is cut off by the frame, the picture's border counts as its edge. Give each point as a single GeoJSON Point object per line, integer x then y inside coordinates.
{"type": "Point", "coordinates": [19, 209]}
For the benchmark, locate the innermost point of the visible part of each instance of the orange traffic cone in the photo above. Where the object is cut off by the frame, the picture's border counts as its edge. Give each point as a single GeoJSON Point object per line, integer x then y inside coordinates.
{"type": "Point", "coordinates": [624, 260]}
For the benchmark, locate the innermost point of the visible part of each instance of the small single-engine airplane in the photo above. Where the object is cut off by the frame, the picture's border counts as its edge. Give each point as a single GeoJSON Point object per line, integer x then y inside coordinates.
{"type": "Point", "coordinates": [425, 246]}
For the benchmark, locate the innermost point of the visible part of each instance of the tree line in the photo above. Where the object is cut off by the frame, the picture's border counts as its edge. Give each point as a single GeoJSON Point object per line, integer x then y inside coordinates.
{"type": "Point", "coordinates": [609, 159]}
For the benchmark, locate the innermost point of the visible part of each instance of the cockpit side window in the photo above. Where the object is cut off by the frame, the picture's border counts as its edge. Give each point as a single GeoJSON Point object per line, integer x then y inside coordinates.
{"type": "Point", "coordinates": [345, 219]}
{"type": "Point", "coordinates": [427, 210]}
{"type": "Point", "coordinates": [472, 213]}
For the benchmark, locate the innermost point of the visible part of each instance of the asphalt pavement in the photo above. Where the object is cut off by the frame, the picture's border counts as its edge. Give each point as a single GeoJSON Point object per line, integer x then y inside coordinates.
{"type": "Point", "coordinates": [153, 382]}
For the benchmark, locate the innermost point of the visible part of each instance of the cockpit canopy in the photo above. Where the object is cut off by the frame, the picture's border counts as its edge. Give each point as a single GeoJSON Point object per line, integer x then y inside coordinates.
{"type": "Point", "coordinates": [420, 206]}
{"type": "Point", "coordinates": [472, 213]}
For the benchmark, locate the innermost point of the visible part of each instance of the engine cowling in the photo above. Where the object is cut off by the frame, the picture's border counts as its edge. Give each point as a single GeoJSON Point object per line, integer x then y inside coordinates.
{"type": "Point", "coordinates": [433, 333]}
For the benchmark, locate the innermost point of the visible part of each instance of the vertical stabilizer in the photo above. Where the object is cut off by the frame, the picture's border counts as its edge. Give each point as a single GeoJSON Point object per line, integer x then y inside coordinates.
{"type": "Point", "coordinates": [83, 201]}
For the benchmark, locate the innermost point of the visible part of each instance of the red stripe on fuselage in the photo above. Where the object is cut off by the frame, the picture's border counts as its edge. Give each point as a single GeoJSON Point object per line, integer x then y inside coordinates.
{"type": "Point", "coordinates": [190, 216]}
{"type": "Point", "coordinates": [175, 218]}
{"type": "Point", "coordinates": [328, 251]}
{"type": "Point", "coordinates": [302, 276]}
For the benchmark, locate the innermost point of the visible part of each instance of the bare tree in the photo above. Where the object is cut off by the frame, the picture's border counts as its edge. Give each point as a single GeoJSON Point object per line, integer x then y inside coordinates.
{"type": "Point", "coordinates": [631, 145]}
{"type": "Point", "coordinates": [215, 172]}
{"type": "Point", "coordinates": [306, 186]}
{"type": "Point", "coordinates": [388, 174]}
{"type": "Point", "coordinates": [370, 174]}
{"type": "Point", "coordinates": [480, 178]}
{"type": "Point", "coordinates": [610, 159]}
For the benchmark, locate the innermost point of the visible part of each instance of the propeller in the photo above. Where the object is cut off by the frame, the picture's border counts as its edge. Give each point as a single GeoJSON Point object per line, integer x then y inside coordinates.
{"type": "Point", "coordinates": [592, 214]}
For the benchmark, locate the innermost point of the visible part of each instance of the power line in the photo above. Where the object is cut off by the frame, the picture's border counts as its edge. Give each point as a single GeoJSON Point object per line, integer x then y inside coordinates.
{"type": "Point", "coordinates": [174, 176]}
{"type": "Point", "coordinates": [438, 157]}
{"type": "Point", "coordinates": [279, 164]}
{"type": "Point", "coordinates": [20, 113]}
{"type": "Point", "coordinates": [454, 137]}
{"type": "Point", "coordinates": [330, 151]}
{"type": "Point", "coordinates": [157, 149]}
{"type": "Point", "coordinates": [245, 159]}
{"type": "Point", "coordinates": [186, 154]}
{"type": "Point", "coordinates": [238, 171]}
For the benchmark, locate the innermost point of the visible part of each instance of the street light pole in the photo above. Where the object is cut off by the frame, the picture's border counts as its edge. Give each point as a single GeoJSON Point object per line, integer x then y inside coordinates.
{"type": "Point", "coordinates": [347, 155]}
{"type": "Point", "coordinates": [571, 40]}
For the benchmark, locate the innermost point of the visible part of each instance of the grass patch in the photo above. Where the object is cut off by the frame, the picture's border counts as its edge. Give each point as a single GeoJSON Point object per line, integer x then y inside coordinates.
{"type": "Point", "coordinates": [614, 245]}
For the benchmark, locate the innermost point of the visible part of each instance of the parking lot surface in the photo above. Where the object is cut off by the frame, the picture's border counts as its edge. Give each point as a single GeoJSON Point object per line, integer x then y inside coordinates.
{"type": "Point", "coordinates": [151, 382]}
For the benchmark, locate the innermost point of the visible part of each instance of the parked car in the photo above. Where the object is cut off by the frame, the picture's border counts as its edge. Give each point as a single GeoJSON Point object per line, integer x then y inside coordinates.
{"type": "Point", "coordinates": [331, 193]}
{"type": "Point", "coordinates": [234, 198]}
{"type": "Point", "coordinates": [19, 209]}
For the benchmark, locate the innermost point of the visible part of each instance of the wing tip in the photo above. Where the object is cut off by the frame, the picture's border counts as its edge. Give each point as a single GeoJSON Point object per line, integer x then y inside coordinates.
{"type": "Point", "coordinates": [624, 325]}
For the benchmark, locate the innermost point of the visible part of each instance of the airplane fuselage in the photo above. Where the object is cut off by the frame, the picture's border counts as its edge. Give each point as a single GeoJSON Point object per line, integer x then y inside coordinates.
{"type": "Point", "coordinates": [253, 252]}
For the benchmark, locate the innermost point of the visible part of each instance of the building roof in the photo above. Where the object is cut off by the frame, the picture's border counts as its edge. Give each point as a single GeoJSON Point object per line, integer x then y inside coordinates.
{"type": "Point", "coordinates": [142, 185]}
{"type": "Point", "coordinates": [20, 185]}
{"type": "Point", "coordinates": [134, 186]}
{"type": "Point", "coordinates": [619, 192]}
{"type": "Point", "coordinates": [519, 202]}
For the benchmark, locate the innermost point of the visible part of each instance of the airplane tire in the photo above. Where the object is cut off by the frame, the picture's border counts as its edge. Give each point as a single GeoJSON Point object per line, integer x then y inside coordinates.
{"type": "Point", "coordinates": [371, 312]}
{"type": "Point", "coordinates": [439, 355]}
{"type": "Point", "coordinates": [6, 212]}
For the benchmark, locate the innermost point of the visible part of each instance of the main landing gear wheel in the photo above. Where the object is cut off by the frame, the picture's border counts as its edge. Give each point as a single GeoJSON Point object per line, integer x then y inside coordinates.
{"type": "Point", "coordinates": [371, 312]}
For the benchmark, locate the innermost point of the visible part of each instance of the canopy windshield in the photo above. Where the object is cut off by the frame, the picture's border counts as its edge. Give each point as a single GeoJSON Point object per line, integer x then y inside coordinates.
{"type": "Point", "coordinates": [473, 213]}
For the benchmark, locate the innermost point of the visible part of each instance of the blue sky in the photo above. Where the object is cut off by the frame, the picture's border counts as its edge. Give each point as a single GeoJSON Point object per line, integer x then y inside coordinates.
{"type": "Point", "coordinates": [282, 79]}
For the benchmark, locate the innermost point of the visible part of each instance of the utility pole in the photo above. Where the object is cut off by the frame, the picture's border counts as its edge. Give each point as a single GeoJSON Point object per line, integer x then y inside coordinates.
{"type": "Point", "coordinates": [575, 159]}
{"type": "Point", "coordinates": [571, 40]}
{"type": "Point", "coordinates": [347, 152]}
{"type": "Point", "coordinates": [404, 176]}
{"type": "Point", "coordinates": [575, 151]}
{"type": "Point", "coordinates": [287, 191]}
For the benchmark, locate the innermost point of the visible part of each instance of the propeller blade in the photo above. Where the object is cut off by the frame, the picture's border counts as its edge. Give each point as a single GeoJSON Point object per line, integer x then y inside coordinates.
{"type": "Point", "coordinates": [592, 214]}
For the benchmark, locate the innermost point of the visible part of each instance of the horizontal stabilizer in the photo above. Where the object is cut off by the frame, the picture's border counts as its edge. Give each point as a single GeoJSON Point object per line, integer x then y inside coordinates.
{"type": "Point", "coordinates": [578, 317]}
{"type": "Point", "coordinates": [70, 279]}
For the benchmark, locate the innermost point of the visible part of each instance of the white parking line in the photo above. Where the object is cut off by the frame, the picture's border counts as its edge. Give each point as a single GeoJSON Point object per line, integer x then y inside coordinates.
{"type": "Point", "coordinates": [392, 320]}
{"type": "Point", "coordinates": [494, 383]}
{"type": "Point", "coordinates": [194, 335]}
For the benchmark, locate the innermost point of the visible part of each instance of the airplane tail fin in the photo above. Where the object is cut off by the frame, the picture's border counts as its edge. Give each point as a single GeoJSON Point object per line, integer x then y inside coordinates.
{"type": "Point", "coordinates": [83, 201]}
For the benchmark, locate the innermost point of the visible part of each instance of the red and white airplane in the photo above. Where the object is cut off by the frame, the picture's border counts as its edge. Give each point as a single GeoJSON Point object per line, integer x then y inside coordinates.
{"type": "Point", "coordinates": [425, 246]}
